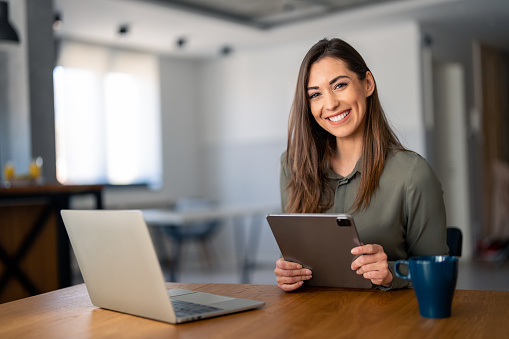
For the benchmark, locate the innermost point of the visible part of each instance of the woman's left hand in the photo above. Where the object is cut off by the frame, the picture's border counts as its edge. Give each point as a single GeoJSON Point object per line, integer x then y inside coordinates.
{"type": "Point", "coordinates": [372, 264]}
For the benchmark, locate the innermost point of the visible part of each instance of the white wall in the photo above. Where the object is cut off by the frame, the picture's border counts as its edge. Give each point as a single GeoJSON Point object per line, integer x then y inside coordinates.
{"type": "Point", "coordinates": [181, 125]}
{"type": "Point", "coordinates": [245, 106]}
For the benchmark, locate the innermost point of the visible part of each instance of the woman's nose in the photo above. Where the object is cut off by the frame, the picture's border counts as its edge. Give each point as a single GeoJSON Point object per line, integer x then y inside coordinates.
{"type": "Point", "coordinates": [331, 102]}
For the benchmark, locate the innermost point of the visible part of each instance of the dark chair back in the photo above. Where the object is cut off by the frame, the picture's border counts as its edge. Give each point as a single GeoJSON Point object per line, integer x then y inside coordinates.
{"type": "Point", "coordinates": [454, 241]}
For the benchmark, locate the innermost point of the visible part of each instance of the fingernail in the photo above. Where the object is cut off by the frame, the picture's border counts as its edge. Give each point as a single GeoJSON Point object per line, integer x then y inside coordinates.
{"type": "Point", "coordinates": [307, 272]}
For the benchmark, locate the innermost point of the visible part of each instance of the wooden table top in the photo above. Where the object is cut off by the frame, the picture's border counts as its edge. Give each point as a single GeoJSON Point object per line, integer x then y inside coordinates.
{"type": "Point", "coordinates": [52, 188]}
{"type": "Point", "coordinates": [312, 312]}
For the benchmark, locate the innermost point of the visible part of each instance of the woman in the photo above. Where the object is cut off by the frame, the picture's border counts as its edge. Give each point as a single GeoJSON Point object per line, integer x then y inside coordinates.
{"type": "Point", "coordinates": [343, 157]}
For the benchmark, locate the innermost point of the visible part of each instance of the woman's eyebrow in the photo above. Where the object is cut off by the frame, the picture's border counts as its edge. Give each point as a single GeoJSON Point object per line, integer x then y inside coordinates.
{"type": "Point", "coordinates": [337, 78]}
{"type": "Point", "coordinates": [330, 82]}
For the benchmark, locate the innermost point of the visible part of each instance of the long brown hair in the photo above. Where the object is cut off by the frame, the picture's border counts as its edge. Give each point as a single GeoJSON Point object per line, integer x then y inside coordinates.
{"type": "Point", "coordinates": [310, 147]}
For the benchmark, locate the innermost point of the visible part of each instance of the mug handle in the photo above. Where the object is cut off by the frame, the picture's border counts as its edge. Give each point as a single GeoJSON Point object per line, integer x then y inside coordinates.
{"type": "Point", "coordinates": [398, 273]}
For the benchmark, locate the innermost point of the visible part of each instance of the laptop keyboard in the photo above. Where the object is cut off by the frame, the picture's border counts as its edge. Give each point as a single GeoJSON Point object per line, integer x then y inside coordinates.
{"type": "Point", "coordinates": [185, 308]}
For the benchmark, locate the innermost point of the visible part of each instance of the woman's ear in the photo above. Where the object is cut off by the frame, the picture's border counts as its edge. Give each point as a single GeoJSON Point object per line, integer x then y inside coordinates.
{"type": "Point", "coordinates": [370, 83]}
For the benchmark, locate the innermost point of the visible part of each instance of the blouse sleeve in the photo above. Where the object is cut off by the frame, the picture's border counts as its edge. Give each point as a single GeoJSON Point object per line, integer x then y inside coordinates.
{"type": "Point", "coordinates": [425, 209]}
{"type": "Point", "coordinates": [426, 228]}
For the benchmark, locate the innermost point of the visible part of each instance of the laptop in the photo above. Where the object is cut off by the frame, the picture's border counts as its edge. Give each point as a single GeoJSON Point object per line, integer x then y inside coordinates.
{"type": "Point", "coordinates": [322, 243]}
{"type": "Point", "coordinates": [121, 271]}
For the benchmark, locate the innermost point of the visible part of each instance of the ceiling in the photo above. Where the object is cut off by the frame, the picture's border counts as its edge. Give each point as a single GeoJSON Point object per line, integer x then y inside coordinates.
{"type": "Point", "coordinates": [206, 28]}
{"type": "Point", "coordinates": [266, 14]}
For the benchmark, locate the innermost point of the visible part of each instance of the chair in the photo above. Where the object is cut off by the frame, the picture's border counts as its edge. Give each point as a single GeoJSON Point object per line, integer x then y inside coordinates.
{"type": "Point", "coordinates": [454, 241]}
{"type": "Point", "coordinates": [198, 231]}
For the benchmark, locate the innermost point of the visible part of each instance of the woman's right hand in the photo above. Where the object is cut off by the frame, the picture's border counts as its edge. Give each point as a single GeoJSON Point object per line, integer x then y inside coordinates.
{"type": "Point", "coordinates": [290, 275]}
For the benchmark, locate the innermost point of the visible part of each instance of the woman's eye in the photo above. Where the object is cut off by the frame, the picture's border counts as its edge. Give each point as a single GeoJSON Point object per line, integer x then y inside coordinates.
{"type": "Point", "coordinates": [340, 85]}
{"type": "Point", "coordinates": [313, 95]}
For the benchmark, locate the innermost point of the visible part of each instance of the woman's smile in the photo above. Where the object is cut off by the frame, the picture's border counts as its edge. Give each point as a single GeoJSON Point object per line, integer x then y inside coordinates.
{"type": "Point", "coordinates": [339, 118]}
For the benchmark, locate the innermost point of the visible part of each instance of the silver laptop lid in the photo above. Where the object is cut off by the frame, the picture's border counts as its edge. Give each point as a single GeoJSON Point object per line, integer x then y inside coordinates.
{"type": "Point", "coordinates": [118, 262]}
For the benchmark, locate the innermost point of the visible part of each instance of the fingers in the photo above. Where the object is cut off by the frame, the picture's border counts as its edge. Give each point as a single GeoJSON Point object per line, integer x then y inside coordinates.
{"type": "Point", "coordinates": [367, 249]}
{"type": "Point", "coordinates": [290, 275]}
{"type": "Point", "coordinates": [287, 269]}
{"type": "Point", "coordinates": [370, 258]}
{"type": "Point", "coordinates": [371, 271]}
{"type": "Point", "coordinates": [372, 264]}
{"type": "Point", "coordinates": [379, 277]}
{"type": "Point", "coordinates": [287, 265]}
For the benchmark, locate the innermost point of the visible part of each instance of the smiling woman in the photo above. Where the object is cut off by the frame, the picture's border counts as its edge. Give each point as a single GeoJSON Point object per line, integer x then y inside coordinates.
{"type": "Point", "coordinates": [343, 157]}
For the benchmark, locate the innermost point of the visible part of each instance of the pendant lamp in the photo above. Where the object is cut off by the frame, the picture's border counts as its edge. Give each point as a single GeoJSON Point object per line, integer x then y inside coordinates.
{"type": "Point", "coordinates": [7, 32]}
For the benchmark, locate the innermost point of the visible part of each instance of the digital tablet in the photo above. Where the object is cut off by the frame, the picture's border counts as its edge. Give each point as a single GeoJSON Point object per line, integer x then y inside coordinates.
{"type": "Point", "coordinates": [322, 243]}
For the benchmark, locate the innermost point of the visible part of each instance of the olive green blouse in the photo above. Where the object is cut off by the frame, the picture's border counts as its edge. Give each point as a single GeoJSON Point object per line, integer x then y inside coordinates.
{"type": "Point", "coordinates": [406, 214]}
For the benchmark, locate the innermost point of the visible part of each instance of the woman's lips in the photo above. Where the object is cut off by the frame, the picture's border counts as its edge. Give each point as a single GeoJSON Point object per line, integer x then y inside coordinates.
{"type": "Point", "coordinates": [339, 117]}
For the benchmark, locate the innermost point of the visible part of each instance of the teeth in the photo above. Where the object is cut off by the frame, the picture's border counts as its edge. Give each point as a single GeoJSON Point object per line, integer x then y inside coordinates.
{"type": "Point", "coordinates": [339, 117]}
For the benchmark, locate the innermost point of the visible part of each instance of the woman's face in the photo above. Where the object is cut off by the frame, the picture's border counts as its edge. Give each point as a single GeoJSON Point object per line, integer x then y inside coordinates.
{"type": "Point", "coordinates": [337, 97]}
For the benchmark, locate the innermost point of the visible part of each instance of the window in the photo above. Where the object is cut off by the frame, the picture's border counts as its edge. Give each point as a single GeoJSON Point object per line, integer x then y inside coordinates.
{"type": "Point", "coordinates": [107, 116]}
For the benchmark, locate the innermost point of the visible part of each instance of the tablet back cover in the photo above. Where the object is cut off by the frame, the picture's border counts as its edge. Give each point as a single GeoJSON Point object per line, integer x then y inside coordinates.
{"type": "Point", "coordinates": [319, 243]}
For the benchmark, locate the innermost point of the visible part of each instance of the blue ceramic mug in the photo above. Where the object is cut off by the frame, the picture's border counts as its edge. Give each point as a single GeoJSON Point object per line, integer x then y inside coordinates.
{"type": "Point", "coordinates": [434, 280]}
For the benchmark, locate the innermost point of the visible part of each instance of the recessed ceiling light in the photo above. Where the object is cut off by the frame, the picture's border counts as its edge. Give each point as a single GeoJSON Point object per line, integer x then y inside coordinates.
{"type": "Point", "coordinates": [226, 50]}
{"type": "Point", "coordinates": [123, 29]}
{"type": "Point", "coordinates": [181, 42]}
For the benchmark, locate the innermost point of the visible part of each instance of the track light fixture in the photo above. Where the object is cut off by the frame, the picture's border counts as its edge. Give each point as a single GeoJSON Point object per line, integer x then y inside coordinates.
{"type": "Point", "coordinates": [7, 32]}
{"type": "Point", "coordinates": [57, 21]}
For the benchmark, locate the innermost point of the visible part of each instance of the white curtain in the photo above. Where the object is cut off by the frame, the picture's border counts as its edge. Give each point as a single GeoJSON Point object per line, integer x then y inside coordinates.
{"type": "Point", "coordinates": [107, 116]}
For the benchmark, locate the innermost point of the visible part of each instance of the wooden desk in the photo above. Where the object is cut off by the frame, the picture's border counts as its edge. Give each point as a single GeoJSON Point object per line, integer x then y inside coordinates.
{"type": "Point", "coordinates": [34, 247]}
{"type": "Point", "coordinates": [310, 313]}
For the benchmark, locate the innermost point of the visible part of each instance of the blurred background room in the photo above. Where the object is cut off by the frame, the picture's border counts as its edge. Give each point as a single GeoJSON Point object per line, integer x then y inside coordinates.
{"type": "Point", "coordinates": [182, 106]}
